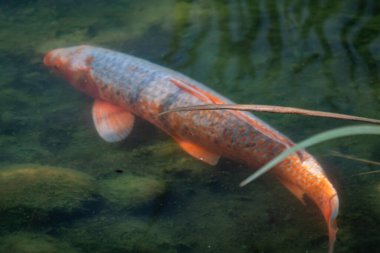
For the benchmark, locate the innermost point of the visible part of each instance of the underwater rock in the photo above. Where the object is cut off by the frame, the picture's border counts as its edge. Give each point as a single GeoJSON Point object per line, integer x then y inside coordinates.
{"type": "Point", "coordinates": [129, 191]}
{"type": "Point", "coordinates": [122, 233]}
{"type": "Point", "coordinates": [33, 243]}
{"type": "Point", "coordinates": [138, 236]}
{"type": "Point", "coordinates": [44, 189]}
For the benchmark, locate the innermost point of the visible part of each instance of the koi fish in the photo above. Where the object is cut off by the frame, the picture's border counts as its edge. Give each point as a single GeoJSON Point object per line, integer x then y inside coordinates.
{"type": "Point", "coordinates": [124, 86]}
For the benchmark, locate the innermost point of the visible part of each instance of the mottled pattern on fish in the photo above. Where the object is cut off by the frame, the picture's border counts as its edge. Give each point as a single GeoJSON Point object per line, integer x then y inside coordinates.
{"type": "Point", "coordinates": [146, 89]}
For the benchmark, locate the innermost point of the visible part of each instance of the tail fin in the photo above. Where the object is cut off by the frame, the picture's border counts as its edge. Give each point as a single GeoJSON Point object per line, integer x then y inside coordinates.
{"type": "Point", "coordinates": [332, 226]}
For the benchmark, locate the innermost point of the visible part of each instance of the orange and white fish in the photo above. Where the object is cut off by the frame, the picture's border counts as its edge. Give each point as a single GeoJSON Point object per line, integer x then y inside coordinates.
{"type": "Point", "coordinates": [124, 86]}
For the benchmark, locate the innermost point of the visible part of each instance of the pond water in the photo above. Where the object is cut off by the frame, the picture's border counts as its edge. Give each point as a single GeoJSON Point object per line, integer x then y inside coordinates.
{"type": "Point", "coordinates": [63, 189]}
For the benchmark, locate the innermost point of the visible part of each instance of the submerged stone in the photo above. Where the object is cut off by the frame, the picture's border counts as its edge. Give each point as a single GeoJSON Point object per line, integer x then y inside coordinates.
{"type": "Point", "coordinates": [122, 233]}
{"type": "Point", "coordinates": [33, 243]}
{"type": "Point", "coordinates": [44, 189]}
{"type": "Point", "coordinates": [130, 191]}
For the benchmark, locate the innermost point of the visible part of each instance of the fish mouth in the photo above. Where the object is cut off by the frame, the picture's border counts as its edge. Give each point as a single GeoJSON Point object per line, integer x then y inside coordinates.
{"type": "Point", "coordinates": [55, 61]}
{"type": "Point", "coordinates": [50, 59]}
{"type": "Point", "coordinates": [47, 58]}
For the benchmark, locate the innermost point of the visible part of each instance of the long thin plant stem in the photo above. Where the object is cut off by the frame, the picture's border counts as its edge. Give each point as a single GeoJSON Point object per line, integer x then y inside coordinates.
{"type": "Point", "coordinates": [273, 109]}
{"type": "Point", "coordinates": [354, 158]}
{"type": "Point", "coordinates": [357, 159]}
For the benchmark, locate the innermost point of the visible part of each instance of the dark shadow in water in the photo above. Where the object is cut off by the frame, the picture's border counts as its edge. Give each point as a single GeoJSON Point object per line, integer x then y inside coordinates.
{"type": "Point", "coordinates": [56, 131]}
{"type": "Point", "coordinates": [35, 219]}
{"type": "Point", "coordinates": [275, 42]}
{"type": "Point", "coordinates": [153, 43]}
{"type": "Point", "coordinates": [181, 25]}
{"type": "Point", "coordinates": [365, 36]}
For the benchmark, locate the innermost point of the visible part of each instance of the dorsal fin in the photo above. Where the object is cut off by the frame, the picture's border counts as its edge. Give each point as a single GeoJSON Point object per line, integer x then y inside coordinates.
{"type": "Point", "coordinates": [112, 122]}
{"type": "Point", "coordinates": [197, 92]}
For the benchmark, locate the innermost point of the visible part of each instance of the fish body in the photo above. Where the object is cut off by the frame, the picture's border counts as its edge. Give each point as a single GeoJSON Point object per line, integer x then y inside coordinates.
{"type": "Point", "coordinates": [124, 86]}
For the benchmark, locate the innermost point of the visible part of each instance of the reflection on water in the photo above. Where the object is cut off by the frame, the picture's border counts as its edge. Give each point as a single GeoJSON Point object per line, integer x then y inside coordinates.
{"type": "Point", "coordinates": [145, 194]}
{"type": "Point", "coordinates": [251, 42]}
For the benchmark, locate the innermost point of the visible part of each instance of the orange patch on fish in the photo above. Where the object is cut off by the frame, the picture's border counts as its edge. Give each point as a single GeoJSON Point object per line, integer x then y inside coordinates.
{"type": "Point", "coordinates": [195, 91]}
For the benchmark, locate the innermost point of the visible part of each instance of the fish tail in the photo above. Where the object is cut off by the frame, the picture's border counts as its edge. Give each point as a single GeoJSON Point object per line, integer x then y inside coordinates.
{"type": "Point", "coordinates": [332, 226]}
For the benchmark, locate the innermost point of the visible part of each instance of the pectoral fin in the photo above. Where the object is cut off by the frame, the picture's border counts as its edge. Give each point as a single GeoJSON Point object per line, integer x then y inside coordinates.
{"type": "Point", "coordinates": [296, 190]}
{"type": "Point", "coordinates": [112, 122]}
{"type": "Point", "coordinates": [198, 152]}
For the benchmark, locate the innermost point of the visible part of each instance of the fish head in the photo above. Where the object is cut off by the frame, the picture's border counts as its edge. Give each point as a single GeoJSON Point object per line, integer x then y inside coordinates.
{"type": "Point", "coordinates": [74, 64]}
{"type": "Point", "coordinates": [325, 196]}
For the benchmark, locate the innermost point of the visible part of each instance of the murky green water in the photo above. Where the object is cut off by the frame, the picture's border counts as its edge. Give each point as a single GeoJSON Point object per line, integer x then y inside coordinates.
{"type": "Point", "coordinates": [63, 189]}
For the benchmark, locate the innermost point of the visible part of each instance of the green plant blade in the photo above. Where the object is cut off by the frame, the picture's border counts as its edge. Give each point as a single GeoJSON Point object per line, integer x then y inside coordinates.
{"type": "Point", "coordinates": [313, 140]}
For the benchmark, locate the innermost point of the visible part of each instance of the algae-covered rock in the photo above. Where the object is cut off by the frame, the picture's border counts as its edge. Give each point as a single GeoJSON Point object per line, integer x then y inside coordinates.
{"type": "Point", "coordinates": [44, 189]}
{"type": "Point", "coordinates": [33, 243]}
{"type": "Point", "coordinates": [138, 236]}
{"type": "Point", "coordinates": [130, 191]}
{"type": "Point", "coordinates": [119, 233]}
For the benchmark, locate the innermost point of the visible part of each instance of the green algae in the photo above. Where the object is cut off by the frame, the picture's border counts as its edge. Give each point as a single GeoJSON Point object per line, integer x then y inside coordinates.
{"type": "Point", "coordinates": [44, 189]}
{"type": "Point", "coordinates": [129, 191]}
{"type": "Point", "coordinates": [105, 24]}
{"type": "Point", "coordinates": [120, 234]}
{"type": "Point", "coordinates": [24, 242]}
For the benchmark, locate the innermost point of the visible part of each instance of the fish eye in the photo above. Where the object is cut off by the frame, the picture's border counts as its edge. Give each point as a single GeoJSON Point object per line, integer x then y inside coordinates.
{"type": "Point", "coordinates": [83, 81]}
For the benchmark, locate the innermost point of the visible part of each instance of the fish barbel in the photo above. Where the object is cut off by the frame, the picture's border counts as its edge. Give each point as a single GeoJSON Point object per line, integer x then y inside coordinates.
{"type": "Point", "coordinates": [124, 86]}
